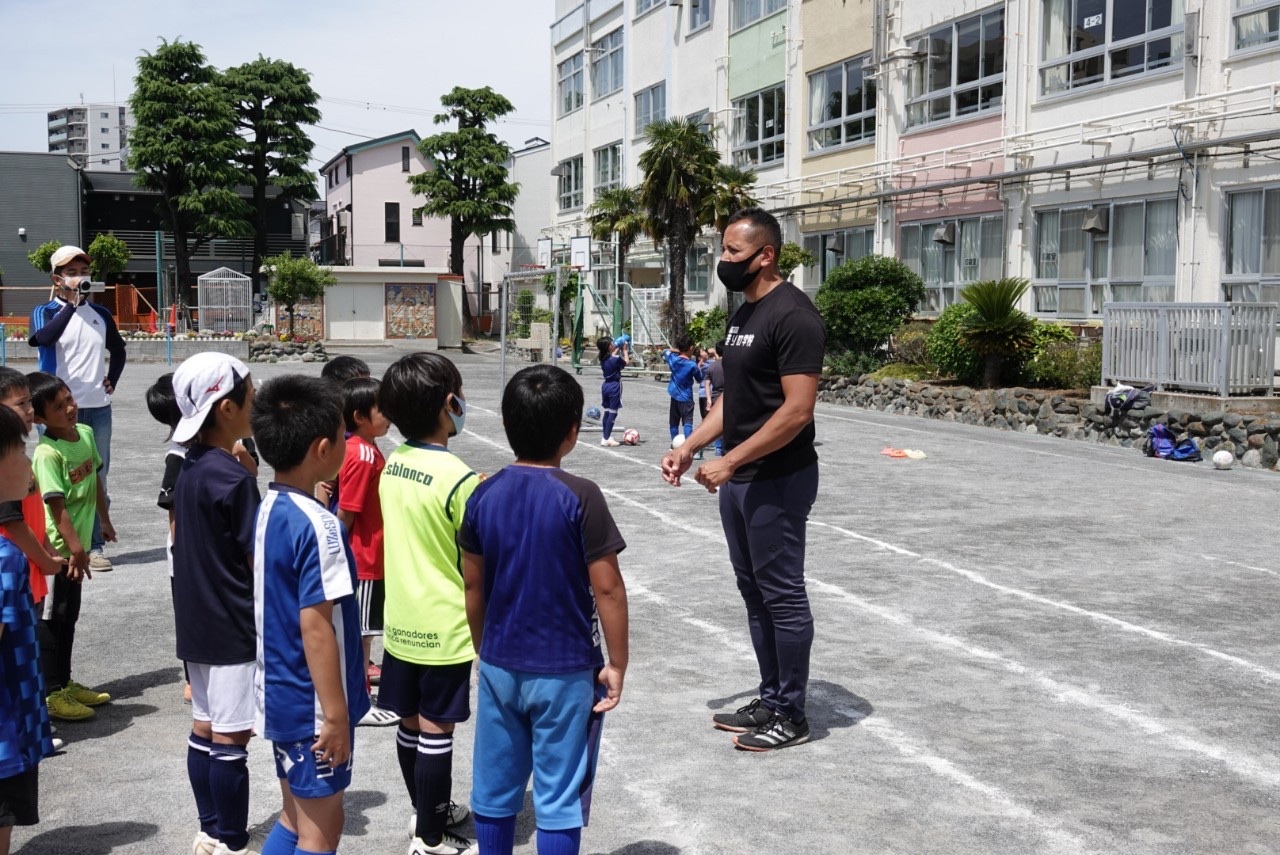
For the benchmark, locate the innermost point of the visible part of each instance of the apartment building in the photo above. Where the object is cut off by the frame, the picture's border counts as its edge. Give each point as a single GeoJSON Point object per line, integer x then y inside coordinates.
{"type": "Point", "coordinates": [1107, 150]}
{"type": "Point", "coordinates": [94, 135]}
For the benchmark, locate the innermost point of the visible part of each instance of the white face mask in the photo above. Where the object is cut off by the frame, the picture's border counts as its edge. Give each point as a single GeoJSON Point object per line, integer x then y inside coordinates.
{"type": "Point", "coordinates": [459, 419]}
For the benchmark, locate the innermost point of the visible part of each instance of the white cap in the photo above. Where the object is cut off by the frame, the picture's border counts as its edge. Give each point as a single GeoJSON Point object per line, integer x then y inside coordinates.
{"type": "Point", "coordinates": [64, 255]}
{"type": "Point", "coordinates": [200, 382]}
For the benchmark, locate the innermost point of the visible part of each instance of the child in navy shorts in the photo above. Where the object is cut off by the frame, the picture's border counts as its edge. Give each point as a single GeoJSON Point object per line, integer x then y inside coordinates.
{"type": "Point", "coordinates": [544, 683]}
{"type": "Point", "coordinates": [613, 358]}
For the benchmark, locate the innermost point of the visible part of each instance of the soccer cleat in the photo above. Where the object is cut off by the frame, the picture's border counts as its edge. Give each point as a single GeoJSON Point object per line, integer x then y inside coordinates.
{"type": "Point", "coordinates": [610, 443]}
{"type": "Point", "coordinates": [778, 732]}
{"type": "Point", "coordinates": [63, 707]}
{"type": "Point", "coordinates": [450, 844]}
{"type": "Point", "coordinates": [743, 719]}
{"type": "Point", "coordinates": [375, 674]}
{"type": "Point", "coordinates": [457, 815]}
{"type": "Point", "coordinates": [99, 562]}
{"type": "Point", "coordinates": [253, 847]}
{"type": "Point", "coordinates": [85, 695]}
{"type": "Point", "coordinates": [58, 744]}
{"type": "Point", "coordinates": [203, 844]}
{"type": "Point", "coordinates": [378, 718]}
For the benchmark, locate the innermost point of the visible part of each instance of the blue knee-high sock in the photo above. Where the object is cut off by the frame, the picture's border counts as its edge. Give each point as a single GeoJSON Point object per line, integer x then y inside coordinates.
{"type": "Point", "coordinates": [301, 851]}
{"type": "Point", "coordinates": [675, 429]}
{"type": "Point", "coordinates": [688, 429]}
{"type": "Point", "coordinates": [606, 426]}
{"type": "Point", "coordinates": [565, 841]}
{"type": "Point", "coordinates": [229, 783]}
{"type": "Point", "coordinates": [281, 841]}
{"type": "Point", "coordinates": [433, 774]}
{"type": "Point", "coordinates": [496, 836]}
{"type": "Point", "coordinates": [198, 749]}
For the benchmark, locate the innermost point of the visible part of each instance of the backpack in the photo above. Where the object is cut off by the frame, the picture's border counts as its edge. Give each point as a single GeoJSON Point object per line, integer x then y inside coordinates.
{"type": "Point", "coordinates": [1162, 443]}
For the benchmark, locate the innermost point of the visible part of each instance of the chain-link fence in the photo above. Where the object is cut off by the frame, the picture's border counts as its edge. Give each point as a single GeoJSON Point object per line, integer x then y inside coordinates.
{"type": "Point", "coordinates": [529, 315]}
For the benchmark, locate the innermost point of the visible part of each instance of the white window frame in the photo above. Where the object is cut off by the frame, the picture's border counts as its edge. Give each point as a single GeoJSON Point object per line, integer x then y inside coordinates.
{"type": "Point", "coordinates": [751, 153]}
{"type": "Point", "coordinates": [569, 92]}
{"type": "Point", "coordinates": [831, 249]}
{"type": "Point", "coordinates": [841, 123]}
{"type": "Point", "coordinates": [700, 12]}
{"type": "Point", "coordinates": [747, 12]}
{"type": "Point", "coordinates": [606, 65]}
{"type": "Point", "coordinates": [1057, 75]}
{"type": "Point", "coordinates": [924, 104]}
{"type": "Point", "coordinates": [644, 6]}
{"type": "Point", "coordinates": [698, 271]}
{"type": "Point", "coordinates": [1100, 282]}
{"type": "Point", "coordinates": [651, 106]}
{"type": "Point", "coordinates": [944, 267]}
{"type": "Point", "coordinates": [1241, 10]}
{"type": "Point", "coordinates": [569, 193]}
{"type": "Point", "coordinates": [606, 162]}
{"type": "Point", "coordinates": [1258, 284]}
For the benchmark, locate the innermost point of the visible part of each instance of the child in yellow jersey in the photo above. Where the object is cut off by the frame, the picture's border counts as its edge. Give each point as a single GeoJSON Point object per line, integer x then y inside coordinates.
{"type": "Point", "coordinates": [426, 669]}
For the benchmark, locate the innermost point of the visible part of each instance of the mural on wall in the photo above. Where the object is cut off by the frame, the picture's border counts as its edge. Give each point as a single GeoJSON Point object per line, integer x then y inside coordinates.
{"type": "Point", "coordinates": [308, 319]}
{"type": "Point", "coordinates": [411, 311]}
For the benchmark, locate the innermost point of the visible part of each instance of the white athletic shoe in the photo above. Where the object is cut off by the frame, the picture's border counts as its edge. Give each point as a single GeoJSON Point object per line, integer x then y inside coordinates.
{"type": "Point", "coordinates": [203, 844]}
{"type": "Point", "coordinates": [221, 849]}
{"type": "Point", "coordinates": [450, 844]}
{"type": "Point", "coordinates": [457, 815]}
{"type": "Point", "coordinates": [610, 443]}
{"type": "Point", "coordinates": [58, 744]}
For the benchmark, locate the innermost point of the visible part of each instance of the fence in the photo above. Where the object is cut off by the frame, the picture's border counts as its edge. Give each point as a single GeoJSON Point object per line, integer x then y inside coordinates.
{"type": "Point", "coordinates": [1222, 348]}
{"type": "Point", "coordinates": [529, 331]}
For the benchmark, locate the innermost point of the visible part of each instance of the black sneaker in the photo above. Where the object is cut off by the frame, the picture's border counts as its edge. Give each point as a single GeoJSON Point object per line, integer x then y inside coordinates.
{"type": "Point", "coordinates": [778, 732]}
{"type": "Point", "coordinates": [746, 718]}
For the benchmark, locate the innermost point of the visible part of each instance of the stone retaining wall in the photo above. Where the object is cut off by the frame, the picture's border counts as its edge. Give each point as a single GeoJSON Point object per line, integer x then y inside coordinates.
{"type": "Point", "coordinates": [1253, 439]}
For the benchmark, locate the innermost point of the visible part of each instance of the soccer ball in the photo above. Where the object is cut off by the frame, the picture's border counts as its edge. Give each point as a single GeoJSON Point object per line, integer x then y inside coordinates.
{"type": "Point", "coordinates": [593, 414]}
{"type": "Point", "coordinates": [1223, 459]}
{"type": "Point", "coordinates": [631, 436]}
{"type": "Point", "coordinates": [677, 441]}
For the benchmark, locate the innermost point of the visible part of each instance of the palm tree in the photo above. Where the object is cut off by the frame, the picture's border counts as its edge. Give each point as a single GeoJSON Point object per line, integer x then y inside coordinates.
{"type": "Point", "coordinates": [681, 168]}
{"type": "Point", "coordinates": [616, 213]}
{"type": "Point", "coordinates": [997, 330]}
{"type": "Point", "coordinates": [732, 193]}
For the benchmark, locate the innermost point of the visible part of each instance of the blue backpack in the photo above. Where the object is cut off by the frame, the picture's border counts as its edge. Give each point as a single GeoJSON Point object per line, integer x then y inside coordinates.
{"type": "Point", "coordinates": [1162, 443]}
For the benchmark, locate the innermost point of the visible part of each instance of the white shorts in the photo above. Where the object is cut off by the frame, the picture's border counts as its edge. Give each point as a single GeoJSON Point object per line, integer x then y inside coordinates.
{"type": "Point", "coordinates": [223, 696]}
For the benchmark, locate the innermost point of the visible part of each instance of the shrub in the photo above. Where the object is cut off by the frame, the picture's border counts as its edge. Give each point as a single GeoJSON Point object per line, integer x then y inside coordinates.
{"type": "Point", "coordinates": [850, 363]}
{"type": "Point", "coordinates": [708, 325]}
{"type": "Point", "coordinates": [1065, 363]}
{"type": "Point", "coordinates": [910, 343]}
{"type": "Point", "coordinates": [863, 303]}
{"type": "Point", "coordinates": [901, 371]}
{"type": "Point", "coordinates": [945, 349]}
{"type": "Point", "coordinates": [793, 255]}
{"type": "Point", "coordinates": [998, 330]}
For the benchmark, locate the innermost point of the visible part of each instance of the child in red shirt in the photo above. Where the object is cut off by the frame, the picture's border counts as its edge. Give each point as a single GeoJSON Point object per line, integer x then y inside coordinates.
{"type": "Point", "coordinates": [360, 511]}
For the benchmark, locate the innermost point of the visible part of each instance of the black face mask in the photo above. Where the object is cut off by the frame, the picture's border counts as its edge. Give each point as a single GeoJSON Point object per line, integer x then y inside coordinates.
{"type": "Point", "coordinates": [734, 275]}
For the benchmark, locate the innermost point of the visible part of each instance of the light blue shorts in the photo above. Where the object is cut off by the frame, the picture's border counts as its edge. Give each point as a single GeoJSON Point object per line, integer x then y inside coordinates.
{"type": "Point", "coordinates": [540, 725]}
{"type": "Point", "coordinates": [308, 777]}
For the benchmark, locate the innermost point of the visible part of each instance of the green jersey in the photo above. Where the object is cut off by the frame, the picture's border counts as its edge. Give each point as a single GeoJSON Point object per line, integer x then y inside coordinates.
{"type": "Point", "coordinates": [423, 491]}
{"type": "Point", "coordinates": [69, 470]}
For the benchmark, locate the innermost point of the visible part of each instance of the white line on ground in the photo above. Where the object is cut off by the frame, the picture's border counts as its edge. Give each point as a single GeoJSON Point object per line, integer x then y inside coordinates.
{"type": "Point", "coordinates": [1102, 617]}
{"type": "Point", "coordinates": [1231, 563]}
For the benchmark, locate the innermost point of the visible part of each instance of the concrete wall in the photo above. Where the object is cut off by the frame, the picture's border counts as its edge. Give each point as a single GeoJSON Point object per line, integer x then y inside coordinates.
{"type": "Point", "coordinates": [39, 192]}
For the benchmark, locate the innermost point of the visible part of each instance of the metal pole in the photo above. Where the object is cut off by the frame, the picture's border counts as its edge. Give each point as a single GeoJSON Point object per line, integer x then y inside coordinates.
{"type": "Point", "coordinates": [4, 344]}
{"type": "Point", "coordinates": [502, 337]}
{"type": "Point", "coordinates": [555, 317]}
{"type": "Point", "coordinates": [617, 285]}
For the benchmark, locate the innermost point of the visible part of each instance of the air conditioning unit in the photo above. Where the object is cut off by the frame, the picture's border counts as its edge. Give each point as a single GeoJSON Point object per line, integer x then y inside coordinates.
{"type": "Point", "coordinates": [919, 48]}
{"type": "Point", "coordinates": [1095, 221]}
{"type": "Point", "coordinates": [945, 233]}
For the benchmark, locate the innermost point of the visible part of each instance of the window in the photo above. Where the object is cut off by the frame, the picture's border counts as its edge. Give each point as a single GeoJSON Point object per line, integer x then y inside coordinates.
{"type": "Point", "coordinates": [949, 254]}
{"type": "Point", "coordinates": [699, 14]}
{"type": "Point", "coordinates": [416, 217]}
{"type": "Point", "coordinates": [746, 12]}
{"type": "Point", "coordinates": [1093, 42]}
{"type": "Point", "coordinates": [404, 159]}
{"type": "Point", "coordinates": [102, 115]}
{"type": "Point", "coordinates": [1254, 22]}
{"type": "Point", "coordinates": [698, 270]}
{"type": "Point", "coordinates": [391, 218]}
{"type": "Point", "coordinates": [571, 184]}
{"type": "Point", "coordinates": [606, 66]}
{"type": "Point", "coordinates": [1086, 256]}
{"type": "Point", "coordinates": [842, 106]}
{"type": "Point", "coordinates": [570, 87]}
{"type": "Point", "coordinates": [759, 128]}
{"type": "Point", "coordinates": [961, 71]}
{"type": "Point", "coordinates": [608, 167]}
{"type": "Point", "coordinates": [104, 130]}
{"type": "Point", "coordinates": [651, 106]}
{"type": "Point", "coordinates": [493, 241]}
{"type": "Point", "coordinates": [831, 249]}
{"type": "Point", "coordinates": [1253, 246]}
{"type": "Point", "coordinates": [643, 6]}
{"type": "Point", "coordinates": [104, 146]}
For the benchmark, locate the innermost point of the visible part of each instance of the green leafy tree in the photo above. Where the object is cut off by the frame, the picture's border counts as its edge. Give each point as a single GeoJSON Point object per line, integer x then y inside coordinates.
{"type": "Point", "coordinates": [708, 326]}
{"type": "Point", "coordinates": [109, 255]}
{"type": "Point", "coordinates": [273, 102]}
{"type": "Point", "coordinates": [291, 280]}
{"type": "Point", "coordinates": [945, 348]}
{"type": "Point", "coordinates": [681, 168]}
{"type": "Point", "coordinates": [864, 302]}
{"type": "Point", "coordinates": [616, 214]}
{"type": "Point", "coordinates": [998, 331]}
{"type": "Point", "coordinates": [39, 257]}
{"type": "Point", "coordinates": [467, 181]}
{"type": "Point", "coordinates": [793, 255]}
{"type": "Point", "coordinates": [184, 146]}
{"type": "Point", "coordinates": [730, 193]}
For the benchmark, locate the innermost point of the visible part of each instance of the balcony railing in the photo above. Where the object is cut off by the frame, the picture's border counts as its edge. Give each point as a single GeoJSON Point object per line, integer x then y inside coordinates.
{"type": "Point", "coordinates": [142, 245]}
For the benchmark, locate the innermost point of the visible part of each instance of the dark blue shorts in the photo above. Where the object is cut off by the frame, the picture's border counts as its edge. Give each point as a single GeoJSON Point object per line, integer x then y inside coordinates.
{"type": "Point", "coordinates": [436, 692]}
{"type": "Point", "coordinates": [20, 799]}
{"type": "Point", "coordinates": [308, 777]}
{"type": "Point", "coordinates": [611, 398]}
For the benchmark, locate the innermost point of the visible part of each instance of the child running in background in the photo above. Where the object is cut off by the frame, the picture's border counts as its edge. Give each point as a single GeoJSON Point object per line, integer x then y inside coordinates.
{"type": "Point", "coordinates": [66, 465]}
{"type": "Point", "coordinates": [310, 676]}
{"type": "Point", "coordinates": [361, 512]}
{"type": "Point", "coordinates": [613, 358]}
{"type": "Point", "coordinates": [426, 670]}
{"type": "Point", "coordinates": [684, 373]}
{"type": "Point", "coordinates": [25, 735]}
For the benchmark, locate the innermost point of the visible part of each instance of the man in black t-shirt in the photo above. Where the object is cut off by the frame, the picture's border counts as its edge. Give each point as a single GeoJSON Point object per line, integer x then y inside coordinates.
{"type": "Point", "coordinates": [768, 476]}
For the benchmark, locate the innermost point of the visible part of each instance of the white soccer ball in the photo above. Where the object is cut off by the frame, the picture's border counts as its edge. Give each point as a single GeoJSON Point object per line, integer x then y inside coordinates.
{"type": "Point", "coordinates": [1223, 459]}
{"type": "Point", "coordinates": [677, 441]}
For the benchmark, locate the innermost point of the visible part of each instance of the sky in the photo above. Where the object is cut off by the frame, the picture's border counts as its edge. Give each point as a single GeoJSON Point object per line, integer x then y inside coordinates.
{"type": "Point", "coordinates": [380, 66]}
